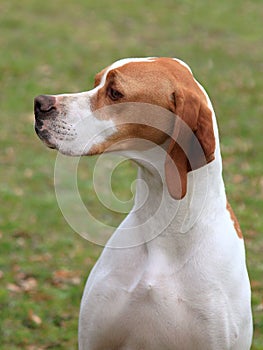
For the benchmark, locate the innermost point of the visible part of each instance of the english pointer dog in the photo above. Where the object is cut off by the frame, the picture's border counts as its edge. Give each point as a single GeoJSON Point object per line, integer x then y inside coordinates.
{"type": "Point", "coordinates": [173, 275]}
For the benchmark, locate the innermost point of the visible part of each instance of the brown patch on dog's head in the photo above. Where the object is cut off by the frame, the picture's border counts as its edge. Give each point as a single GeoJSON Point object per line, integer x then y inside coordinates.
{"type": "Point", "coordinates": [167, 83]}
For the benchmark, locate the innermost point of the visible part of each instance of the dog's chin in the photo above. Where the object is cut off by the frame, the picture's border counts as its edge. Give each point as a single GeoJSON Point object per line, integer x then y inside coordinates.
{"type": "Point", "coordinates": [44, 136]}
{"type": "Point", "coordinates": [50, 146]}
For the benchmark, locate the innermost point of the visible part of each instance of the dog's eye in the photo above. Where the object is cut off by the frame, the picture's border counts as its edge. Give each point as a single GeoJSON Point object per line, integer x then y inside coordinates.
{"type": "Point", "coordinates": [114, 94]}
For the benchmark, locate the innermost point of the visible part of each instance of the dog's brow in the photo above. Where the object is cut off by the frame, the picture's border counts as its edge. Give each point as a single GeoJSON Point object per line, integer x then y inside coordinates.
{"type": "Point", "coordinates": [119, 64]}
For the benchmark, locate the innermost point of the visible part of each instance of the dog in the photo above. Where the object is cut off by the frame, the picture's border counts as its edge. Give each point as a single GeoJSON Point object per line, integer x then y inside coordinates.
{"type": "Point", "coordinates": [173, 275]}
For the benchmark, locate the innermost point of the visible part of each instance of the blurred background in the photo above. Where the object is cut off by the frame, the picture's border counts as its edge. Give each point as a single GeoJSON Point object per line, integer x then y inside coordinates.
{"type": "Point", "coordinates": [57, 47]}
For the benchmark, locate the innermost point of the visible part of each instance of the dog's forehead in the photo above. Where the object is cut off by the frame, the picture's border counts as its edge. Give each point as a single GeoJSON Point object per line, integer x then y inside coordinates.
{"type": "Point", "coordinates": [131, 63]}
{"type": "Point", "coordinates": [125, 61]}
{"type": "Point", "coordinates": [102, 75]}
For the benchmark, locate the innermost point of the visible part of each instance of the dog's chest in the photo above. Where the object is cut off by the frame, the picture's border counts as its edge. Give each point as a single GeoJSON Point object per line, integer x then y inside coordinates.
{"type": "Point", "coordinates": [155, 310]}
{"type": "Point", "coordinates": [157, 302]}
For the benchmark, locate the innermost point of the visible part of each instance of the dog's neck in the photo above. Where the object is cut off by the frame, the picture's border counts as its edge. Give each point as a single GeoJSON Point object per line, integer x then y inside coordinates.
{"type": "Point", "coordinates": [204, 188]}
{"type": "Point", "coordinates": [156, 213]}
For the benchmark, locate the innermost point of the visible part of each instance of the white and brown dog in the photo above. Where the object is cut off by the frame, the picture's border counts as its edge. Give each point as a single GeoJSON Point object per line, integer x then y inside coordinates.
{"type": "Point", "coordinates": [173, 275]}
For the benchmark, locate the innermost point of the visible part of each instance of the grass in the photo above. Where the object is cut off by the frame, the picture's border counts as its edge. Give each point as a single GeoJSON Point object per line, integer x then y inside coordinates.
{"type": "Point", "coordinates": [53, 47]}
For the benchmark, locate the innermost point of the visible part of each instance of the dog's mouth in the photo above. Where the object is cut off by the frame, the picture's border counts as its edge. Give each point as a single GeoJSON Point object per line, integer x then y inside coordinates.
{"type": "Point", "coordinates": [44, 135]}
{"type": "Point", "coordinates": [53, 133]}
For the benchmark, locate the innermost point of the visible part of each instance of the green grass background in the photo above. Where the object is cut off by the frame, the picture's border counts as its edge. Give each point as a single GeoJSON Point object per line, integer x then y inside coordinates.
{"type": "Point", "coordinates": [58, 46]}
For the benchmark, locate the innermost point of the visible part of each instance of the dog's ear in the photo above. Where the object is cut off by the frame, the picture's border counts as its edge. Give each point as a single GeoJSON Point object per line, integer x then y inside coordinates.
{"type": "Point", "coordinates": [192, 141]}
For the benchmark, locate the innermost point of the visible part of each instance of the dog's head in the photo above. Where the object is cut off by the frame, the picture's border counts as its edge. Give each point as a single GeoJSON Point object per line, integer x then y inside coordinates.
{"type": "Point", "coordinates": [104, 119]}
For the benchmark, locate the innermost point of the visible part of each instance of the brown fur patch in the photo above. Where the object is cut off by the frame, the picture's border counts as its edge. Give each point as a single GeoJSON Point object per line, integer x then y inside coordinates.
{"type": "Point", "coordinates": [235, 221]}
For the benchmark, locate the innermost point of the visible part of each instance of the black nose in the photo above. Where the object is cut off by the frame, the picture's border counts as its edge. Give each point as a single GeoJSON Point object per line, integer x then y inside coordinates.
{"type": "Point", "coordinates": [44, 104]}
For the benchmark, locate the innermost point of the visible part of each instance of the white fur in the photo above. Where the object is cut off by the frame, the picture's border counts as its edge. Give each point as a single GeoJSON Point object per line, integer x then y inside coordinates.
{"type": "Point", "coordinates": [79, 129]}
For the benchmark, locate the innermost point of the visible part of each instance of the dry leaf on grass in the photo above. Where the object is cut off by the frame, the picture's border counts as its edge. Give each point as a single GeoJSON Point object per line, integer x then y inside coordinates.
{"type": "Point", "coordinates": [61, 277]}
{"type": "Point", "coordinates": [28, 284]}
{"type": "Point", "coordinates": [259, 307]}
{"type": "Point", "coordinates": [35, 347]}
{"type": "Point", "coordinates": [24, 283]}
{"type": "Point", "coordinates": [13, 288]}
{"type": "Point", "coordinates": [34, 318]}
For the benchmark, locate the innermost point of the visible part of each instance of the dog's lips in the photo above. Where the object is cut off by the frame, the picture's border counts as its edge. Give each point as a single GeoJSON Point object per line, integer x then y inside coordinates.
{"type": "Point", "coordinates": [38, 124]}
{"type": "Point", "coordinates": [43, 134]}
